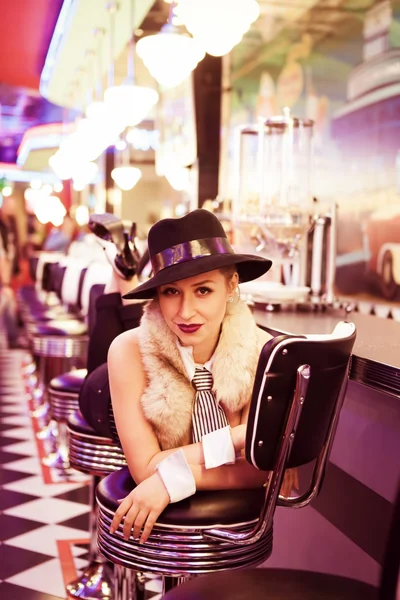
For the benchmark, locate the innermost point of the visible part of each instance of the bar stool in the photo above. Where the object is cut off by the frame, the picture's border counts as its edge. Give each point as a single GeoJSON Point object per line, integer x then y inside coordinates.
{"type": "Point", "coordinates": [298, 392]}
{"type": "Point", "coordinates": [63, 339]}
{"type": "Point", "coordinates": [63, 390]}
{"type": "Point", "coordinates": [97, 456]}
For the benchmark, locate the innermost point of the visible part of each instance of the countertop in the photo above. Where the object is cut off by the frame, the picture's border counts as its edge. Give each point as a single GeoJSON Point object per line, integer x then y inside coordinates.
{"type": "Point", "coordinates": [376, 354]}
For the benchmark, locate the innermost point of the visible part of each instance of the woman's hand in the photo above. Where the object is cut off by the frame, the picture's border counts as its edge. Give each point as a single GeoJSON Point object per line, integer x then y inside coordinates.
{"type": "Point", "coordinates": [141, 508]}
{"type": "Point", "coordinates": [238, 434]}
{"type": "Point", "coordinates": [290, 482]}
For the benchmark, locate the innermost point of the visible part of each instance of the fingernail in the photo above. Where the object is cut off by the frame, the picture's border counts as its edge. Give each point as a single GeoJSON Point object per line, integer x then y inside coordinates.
{"type": "Point", "coordinates": [112, 530]}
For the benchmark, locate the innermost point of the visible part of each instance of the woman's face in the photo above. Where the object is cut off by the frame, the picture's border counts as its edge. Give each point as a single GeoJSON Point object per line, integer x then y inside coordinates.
{"type": "Point", "coordinates": [194, 308]}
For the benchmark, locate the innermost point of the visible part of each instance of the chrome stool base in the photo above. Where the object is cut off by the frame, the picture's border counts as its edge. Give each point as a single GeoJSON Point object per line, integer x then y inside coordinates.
{"type": "Point", "coordinates": [128, 584]}
{"type": "Point", "coordinates": [56, 460]}
{"type": "Point", "coordinates": [95, 583]}
{"type": "Point", "coordinates": [48, 431]}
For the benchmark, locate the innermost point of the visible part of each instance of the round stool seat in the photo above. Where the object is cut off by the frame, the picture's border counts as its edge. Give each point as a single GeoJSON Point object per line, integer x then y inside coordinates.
{"type": "Point", "coordinates": [64, 393]}
{"type": "Point", "coordinates": [204, 509]}
{"type": "Point", "coordinates": [176, 545]}
{"type": "Point", "coordinates": [78, 424]}
{"type": "Point", "coordinates": [62, 327]}
{"type": "Point", "coordinates": [89, 452]}
{"type": "Point", "coordinates": [70, 382]}
{"type": "Point", "coordinates": [273, 584]}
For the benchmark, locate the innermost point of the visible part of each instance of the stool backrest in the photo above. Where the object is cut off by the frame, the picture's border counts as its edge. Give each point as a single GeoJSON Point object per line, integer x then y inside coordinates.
{"type": "Point", "coordinates": [43, 259]}
{"type": "Point", "coordinates": [298, 393]}
{"type": "Point", "coordinates": [72, 280]}
{"type": "Point", "coordinates": [273, 393]}
{"type": "Point", "coordinates": [97, 272]}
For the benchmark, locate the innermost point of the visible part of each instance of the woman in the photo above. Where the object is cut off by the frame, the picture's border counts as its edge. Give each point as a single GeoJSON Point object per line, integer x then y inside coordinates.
{"type": "Point", "coordinates": [176, 438]}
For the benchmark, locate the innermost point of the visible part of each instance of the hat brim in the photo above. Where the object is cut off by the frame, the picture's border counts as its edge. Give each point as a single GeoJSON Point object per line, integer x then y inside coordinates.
{"type": "Point", "coordinates": [248, 266]}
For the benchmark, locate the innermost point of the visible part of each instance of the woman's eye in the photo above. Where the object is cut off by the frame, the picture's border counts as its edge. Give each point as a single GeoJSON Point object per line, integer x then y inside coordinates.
{"type": "Point", "coordinates": [169, 292]}
{"type": "Point", "coordinates": [203, 291]}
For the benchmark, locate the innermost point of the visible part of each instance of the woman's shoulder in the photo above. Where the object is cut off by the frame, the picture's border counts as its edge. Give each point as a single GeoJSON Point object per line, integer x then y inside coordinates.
{"type": "Point", "coordinates": [126, 345]}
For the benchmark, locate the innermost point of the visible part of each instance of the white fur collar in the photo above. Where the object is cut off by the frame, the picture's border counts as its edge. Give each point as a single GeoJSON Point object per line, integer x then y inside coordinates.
{"type": "Point", "coordinates": [168, 398]}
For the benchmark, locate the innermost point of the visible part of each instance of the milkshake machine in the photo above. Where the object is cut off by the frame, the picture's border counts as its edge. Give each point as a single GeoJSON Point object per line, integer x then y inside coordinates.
{"type": "Point", "coordinates": [275, 214]}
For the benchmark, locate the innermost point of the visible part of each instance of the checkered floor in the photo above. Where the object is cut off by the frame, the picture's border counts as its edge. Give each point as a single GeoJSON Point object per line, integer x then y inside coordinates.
{"type": "Point", "coordinates": [43, 526]}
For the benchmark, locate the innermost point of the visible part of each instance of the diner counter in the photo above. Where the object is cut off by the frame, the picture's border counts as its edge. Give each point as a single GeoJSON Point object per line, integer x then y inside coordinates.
{"type": "Point", "coordinates": [376, 354]}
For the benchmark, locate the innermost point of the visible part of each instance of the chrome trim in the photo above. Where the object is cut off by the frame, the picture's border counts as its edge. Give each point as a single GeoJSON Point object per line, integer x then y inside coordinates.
{"type": "Point", "coordinates": [177, 552]}
{"type": "Point", "coordinates": [375, 375]}
{"type": "Point", "coordinates": [60, 346]}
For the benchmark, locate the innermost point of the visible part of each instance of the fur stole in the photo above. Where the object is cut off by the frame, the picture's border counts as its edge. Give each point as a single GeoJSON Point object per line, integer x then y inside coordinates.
{"type": "Point", "coordinates": [168, 398]}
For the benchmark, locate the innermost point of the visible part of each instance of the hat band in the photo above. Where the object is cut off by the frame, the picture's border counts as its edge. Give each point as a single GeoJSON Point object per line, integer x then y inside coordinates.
{"type": "Point", "coordinates": [190, 251]}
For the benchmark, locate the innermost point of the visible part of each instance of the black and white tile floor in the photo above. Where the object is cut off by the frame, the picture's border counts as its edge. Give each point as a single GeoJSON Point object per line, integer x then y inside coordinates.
{"type": "Point", "coordinates": [43, 525]}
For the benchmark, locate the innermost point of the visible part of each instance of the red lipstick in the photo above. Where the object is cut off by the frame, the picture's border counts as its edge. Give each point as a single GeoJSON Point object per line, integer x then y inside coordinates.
{"type": "Point", "coordinates": [189, 328]}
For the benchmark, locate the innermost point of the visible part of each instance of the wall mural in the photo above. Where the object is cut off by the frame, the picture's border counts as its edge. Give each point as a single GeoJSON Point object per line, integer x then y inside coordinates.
{"type": "Point", "coordinates": [338, 64]}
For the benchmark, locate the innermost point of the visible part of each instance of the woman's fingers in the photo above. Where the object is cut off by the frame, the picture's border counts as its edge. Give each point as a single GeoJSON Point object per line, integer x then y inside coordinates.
{"type": "Point", "coordinates": [139, 522]}
{"type": "Point", "coordinates": [150, 522]}
{"type": "Point", "coordinates": [119, 513]}
{"type": "Point", "coordinates": [129, 520]}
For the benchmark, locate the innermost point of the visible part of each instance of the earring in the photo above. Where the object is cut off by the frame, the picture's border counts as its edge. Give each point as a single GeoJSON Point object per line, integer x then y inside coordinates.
{"type": "Point", "coordinates": [230, 299]}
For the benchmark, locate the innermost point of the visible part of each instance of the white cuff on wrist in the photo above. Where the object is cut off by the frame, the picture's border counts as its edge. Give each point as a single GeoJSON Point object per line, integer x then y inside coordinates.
{"type": "Point", "coordinates": [218, 448]}
{"type": "Point", "coordinates": [177, 476]}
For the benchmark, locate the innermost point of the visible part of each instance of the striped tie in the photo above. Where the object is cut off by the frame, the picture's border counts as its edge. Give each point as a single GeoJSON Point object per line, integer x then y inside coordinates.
{"type": "Point", "coordinates": [207, 414]}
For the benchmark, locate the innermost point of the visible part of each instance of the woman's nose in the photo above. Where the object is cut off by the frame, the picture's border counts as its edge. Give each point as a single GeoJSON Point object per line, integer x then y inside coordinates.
{"type": "Point", "coordinates": [187, 308]}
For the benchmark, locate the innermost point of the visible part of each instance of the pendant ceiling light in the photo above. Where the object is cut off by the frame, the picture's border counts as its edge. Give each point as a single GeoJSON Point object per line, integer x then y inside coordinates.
{"type": "Point", "coordinates": [170, 55]}
{"type": "Point", "coordinates": [218, 25]}
{"type": "Point", "coordinates": [132, 102]}
{"type": "Point", "coordinates": [126, 177]}
{"type": "Point", "coordinates": [99, 115]}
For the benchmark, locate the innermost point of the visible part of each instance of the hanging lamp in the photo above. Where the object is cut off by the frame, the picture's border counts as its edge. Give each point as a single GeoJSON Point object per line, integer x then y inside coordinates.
{"type": "Point", "coordinates": [132, 102]}
{"type": "Point", "coordinates": [170, 55]}
{"type": "Point", "coordinates": [218, 25]}
{"type": "Point", "coordinates": [125, 175]}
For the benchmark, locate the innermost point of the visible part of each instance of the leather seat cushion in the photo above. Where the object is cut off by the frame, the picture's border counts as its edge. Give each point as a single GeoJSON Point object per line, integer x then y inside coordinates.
{"type": "Point", "coordinates": [61, 328]}
{"type": "Point", "coordinates": [71, 382]}
{"type": "Point", "coordinates": [208, 508]}
{"type": "Point", "coordinates": [79, 424]}
{"type": "Point", "coordinates": [273, 584]}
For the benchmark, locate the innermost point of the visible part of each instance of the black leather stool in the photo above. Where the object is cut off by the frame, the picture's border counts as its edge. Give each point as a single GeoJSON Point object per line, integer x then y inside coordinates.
{"type": "Point", "coordinates": [97, 456]}
{"type": "Point", "coordinates": [298, 392]}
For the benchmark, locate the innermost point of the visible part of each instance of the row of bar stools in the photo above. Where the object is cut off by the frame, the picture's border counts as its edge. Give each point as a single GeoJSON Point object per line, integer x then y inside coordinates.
{"type": "Point", "coordinates": [69, 339]}
{"type": "Point", "coordinates": [97, 456]}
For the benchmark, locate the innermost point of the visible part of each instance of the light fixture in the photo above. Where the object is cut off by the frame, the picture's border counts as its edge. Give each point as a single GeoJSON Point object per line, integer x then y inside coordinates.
{"type": "Point", "coordinates": [7, 191]}
{"type": "Point", "coordinates": [49, 209]}
{"type": "Point", "coordinates": [207, 21]}
{"type": "Point", "coordinates": [169, 55]}
{"type": "Point", "coordinates": [46, 189]}
{"type": "Point", "coordinates": [126, 177]}
{"type": "Point", "coordinates": [132, 102]}
{"type": "Point", "coordinates": [178, 177]}
{"type": "Point", "coordinates": [82, 215]}
{"type": "Point", "coordinates": [36, 184]}
{"type": "Point", "coordinates": [83, 174]}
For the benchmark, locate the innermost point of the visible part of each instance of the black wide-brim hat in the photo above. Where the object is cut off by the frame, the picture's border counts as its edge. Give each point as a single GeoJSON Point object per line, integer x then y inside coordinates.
{"type": "Point", "coordinates": [191, 245]}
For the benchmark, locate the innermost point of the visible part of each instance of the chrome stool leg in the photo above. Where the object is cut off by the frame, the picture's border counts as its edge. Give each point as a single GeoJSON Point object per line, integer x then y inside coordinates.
{"type": "Point", "coordinates": [128, 584]}
{"type": "Point", "coordinates": [171, 582]}
{"type": "Point", "coordinates": [60, 458]}
{"type": "Point", "coordinates": [49, 431]}
{"type": "Point", "coordinates": [97, 580]}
